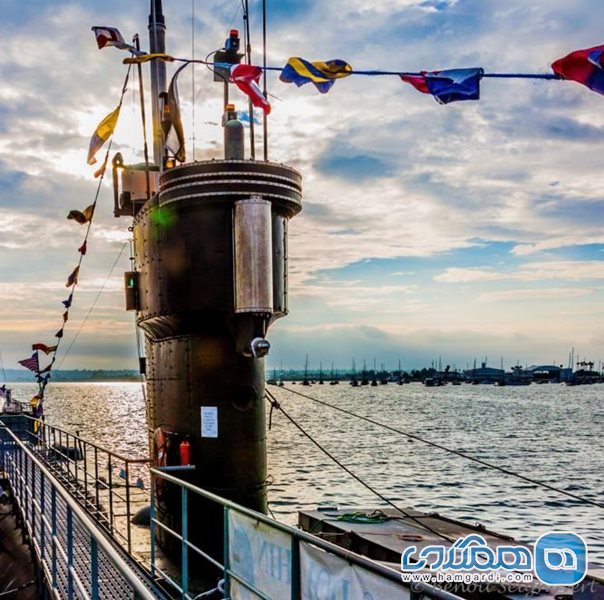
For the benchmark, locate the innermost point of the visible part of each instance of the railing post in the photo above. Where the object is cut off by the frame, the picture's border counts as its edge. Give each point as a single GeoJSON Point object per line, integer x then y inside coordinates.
{"type": "Point", "coordinates": [32, 500]}
{"type": "Point", "coordinates": [226, 561]}
{"type": "Point", "coordinates": [129, 532]}
{"type": "Point", "coordinates": [96, 480]}
{"type": "Point", "coordinates": [85, 459]}
{"type": "Point", "coordinates": [94, 568]}
{"type": "Point", "coordinates": [26, 508]}
{"type": "Point", "coordinates": [152, 525]}
{"type": "Point", "coordinates": [20, 476]}
{"type": "Point", "coordinates": [69, 553]}
{"type": "Point", "coordinates": [184, 579]}
{"type": "Point", "coordinates": [75, 463]}
{"type": "Point", "coordinates": [53, 523]}
{"type": "Point", "coordinates": [110, 482]}
{"type": "Point", "coordinates": [296, 589]}
{"type": "Point", "coordinates": [42, 515]}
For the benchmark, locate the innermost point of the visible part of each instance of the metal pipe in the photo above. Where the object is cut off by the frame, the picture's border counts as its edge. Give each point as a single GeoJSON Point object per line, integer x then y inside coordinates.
{"type": "Point", "coordinates": [157, 43]}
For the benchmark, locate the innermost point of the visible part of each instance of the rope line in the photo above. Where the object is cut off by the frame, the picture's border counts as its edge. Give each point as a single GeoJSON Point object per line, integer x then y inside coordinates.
{"type": "Point", "coordinates": [450, 450]}
{"type": "Point", "coordinates": [42, 385]}
{"type": "Point", "coordinates": [379, 73]}
{"type": "Point", "coordinates": [93, 305]}
{"type": "Point", "coordinates": [275, 404]}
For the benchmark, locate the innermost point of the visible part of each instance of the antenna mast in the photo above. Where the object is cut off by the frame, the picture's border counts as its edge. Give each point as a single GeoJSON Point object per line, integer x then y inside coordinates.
{"type": "Point", "coordinates": [157, 43]}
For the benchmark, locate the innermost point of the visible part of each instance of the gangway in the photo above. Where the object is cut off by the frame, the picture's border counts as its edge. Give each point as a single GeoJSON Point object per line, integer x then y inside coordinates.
{"type": "Point", "coordinates": [76, 556]}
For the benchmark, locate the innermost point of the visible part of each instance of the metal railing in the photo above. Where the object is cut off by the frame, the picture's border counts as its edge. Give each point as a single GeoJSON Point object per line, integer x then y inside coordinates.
{"type": "Point", "coordinates": [101, 480]}
{"type": "Point", "coordinates": [57, 481]}
{"type": "Point", "coordinates": [295, 548]}
{"type": "Point", "coordinates": [75, 555]}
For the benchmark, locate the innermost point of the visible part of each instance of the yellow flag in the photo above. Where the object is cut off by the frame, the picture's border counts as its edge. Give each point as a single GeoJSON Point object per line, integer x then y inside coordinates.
{"type": "Point", "coordinates": [102, 133]}
{"type": "Point", "coordinates": [83, 216]}
{"type": "Point", "coordinates": [143, 58]}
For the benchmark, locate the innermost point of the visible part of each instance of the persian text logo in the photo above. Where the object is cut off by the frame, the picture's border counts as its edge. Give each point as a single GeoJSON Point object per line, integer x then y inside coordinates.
{"type": "Point", "coordinates": [560, 558]}
{"type": "Point", "coordinates": [468, 553]}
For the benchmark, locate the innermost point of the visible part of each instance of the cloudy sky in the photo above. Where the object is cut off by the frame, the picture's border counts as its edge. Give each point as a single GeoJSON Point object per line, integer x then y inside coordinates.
{"type": "Point", "coordinates": [468, 230]}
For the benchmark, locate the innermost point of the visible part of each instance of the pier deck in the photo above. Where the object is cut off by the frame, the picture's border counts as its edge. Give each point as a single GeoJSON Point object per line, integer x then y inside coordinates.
{"type": "Point", "coordinates": [17, 573]}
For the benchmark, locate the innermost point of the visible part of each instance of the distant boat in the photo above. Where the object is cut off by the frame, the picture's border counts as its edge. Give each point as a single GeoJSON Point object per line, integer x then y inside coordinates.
{"type": "Point", "coordinates": [430, 382]}
{"type": "Point", "coordinates": [334, 380]}
{"type": "Point", "coordinates": [306, 381]}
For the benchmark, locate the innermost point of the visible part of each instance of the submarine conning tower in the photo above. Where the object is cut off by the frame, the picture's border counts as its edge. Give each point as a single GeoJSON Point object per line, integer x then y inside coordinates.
{"type": "Point", "coordinates": [211, 256]}
{"type": "Point", "coordinates": [211, 263]}
{"type": "Point", "coordinates": [209, 277]}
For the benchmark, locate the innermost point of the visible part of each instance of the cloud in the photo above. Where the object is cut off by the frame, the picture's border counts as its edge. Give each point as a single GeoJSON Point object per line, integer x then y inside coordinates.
{"type": "Point", "coordinates": [533, 271]}
{"type": "Point", "coordinates": [387, 172]}
{"type": "Point", "coordinates": [535, 294]}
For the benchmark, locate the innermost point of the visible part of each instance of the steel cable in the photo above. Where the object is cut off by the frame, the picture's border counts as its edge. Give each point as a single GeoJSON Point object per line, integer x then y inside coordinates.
{"type": "Point", "coordinates": [450, 450]}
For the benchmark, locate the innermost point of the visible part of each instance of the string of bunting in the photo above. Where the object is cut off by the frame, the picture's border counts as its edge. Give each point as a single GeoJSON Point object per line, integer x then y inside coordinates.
{"type": "Point", "coordinates": [450, 85]}
{"type": "Point", "coordinates": [103, 132]}
{"type": "Point", "coordinates": [445, 86]}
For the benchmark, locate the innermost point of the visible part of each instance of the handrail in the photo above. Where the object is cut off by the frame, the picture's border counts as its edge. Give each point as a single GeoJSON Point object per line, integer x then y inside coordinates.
{"type": "Point", "coordinates": [297, 534]}
{"type": "Point", "coordinates": [80, 461]}
{"type": "Point", "coordinates": [91, 527]}
{"type": "Point", "coordinates": [89, 443]}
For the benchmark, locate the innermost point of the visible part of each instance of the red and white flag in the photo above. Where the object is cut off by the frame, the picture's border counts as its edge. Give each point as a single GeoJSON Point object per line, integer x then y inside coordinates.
{"type": "Point", "coordinates": [110, 36]}
{"type": "Point", "coordinates": [246, 78]}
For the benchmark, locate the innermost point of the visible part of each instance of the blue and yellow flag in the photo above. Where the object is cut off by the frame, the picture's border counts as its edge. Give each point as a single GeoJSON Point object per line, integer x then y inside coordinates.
{"type": "Point", "coordinates": [321, 74]}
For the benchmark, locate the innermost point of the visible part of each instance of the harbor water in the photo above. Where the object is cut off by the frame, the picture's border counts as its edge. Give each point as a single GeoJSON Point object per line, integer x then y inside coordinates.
{"type": "Point", "coordinates": [550, 433]}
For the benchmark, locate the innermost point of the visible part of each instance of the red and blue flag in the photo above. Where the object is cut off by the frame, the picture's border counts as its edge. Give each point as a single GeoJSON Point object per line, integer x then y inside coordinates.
{"type": "Point", "coordinates": [583, 66]}
{"type": "Point", "coordinates": [31, 363]}
{"type": "Point", "coordinates": [448, 86]}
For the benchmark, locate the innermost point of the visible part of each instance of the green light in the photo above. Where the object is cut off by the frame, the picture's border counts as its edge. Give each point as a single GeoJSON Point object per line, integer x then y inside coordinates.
{"type": "Point", "coordinates": [163, 217]}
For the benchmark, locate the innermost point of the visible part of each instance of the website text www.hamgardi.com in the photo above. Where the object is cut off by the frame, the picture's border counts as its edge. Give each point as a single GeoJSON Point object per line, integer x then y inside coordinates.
{"type": "Point", "coordinates": [445, 577]}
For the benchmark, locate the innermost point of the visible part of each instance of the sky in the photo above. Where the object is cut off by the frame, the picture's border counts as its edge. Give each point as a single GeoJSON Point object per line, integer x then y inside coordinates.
{"type": "Point", "coordinates": [467, 231]}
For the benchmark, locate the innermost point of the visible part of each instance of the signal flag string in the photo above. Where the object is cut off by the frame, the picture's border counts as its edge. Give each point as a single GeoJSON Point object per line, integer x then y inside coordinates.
{"type": "Point", "coordinates": [75, 337]}
{"type": "Point", "coordinates": [450, 450]}
{"type": "Point", "coordinates": [83, 217]}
